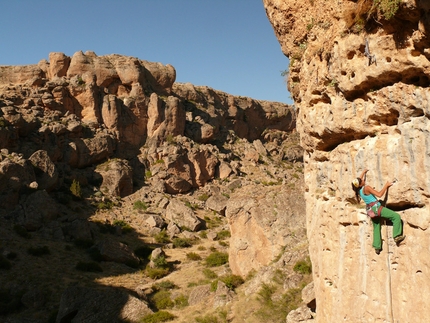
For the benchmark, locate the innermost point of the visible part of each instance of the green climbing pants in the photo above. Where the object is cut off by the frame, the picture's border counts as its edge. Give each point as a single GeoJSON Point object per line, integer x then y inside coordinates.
{"type": "Point", "coordinates": [397, 226]}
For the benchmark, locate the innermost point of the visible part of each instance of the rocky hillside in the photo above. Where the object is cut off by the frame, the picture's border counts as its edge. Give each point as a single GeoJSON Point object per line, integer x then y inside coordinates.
{"type": "Point", "coordinates": [359, 74]}
{"type": "Point", "coordinates": [125, 195]}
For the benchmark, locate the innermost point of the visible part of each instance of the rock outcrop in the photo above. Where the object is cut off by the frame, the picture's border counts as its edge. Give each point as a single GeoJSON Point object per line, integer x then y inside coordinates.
{"type": "Point", "coordinates": [360, 74]}
{"type": "Point", "coordinates": [93, 148]}
{"type": "Point", "coordinates": [73, 113]}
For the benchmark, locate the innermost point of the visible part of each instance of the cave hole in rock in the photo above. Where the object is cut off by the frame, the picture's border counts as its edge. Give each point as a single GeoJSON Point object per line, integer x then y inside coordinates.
{"type": "Point", "coordinates": [415, 53]}
{"type": "Point", "coordinates": [416, 112]}
{"type": "Point", "coordinates": [390, 120]}
{"type": "Point", "coordinates": [331, 140]}
{"type": "Point", "coordinates": [350, 54]}
{"type": "Point", "coordinates": [388, 59]}
{"type": "Point", "coordinates": [352, 74]}
{"type": "Point", "coordinates": [343, 73]}
{"type": "Point", "coordinates": [403, 206]}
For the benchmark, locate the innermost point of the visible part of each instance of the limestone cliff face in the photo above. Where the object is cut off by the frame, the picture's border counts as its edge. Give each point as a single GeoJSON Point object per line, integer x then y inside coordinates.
{"type": "Point", "coordinates": [360, 74]}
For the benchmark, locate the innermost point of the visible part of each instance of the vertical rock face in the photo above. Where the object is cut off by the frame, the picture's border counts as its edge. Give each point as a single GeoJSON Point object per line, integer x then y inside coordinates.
{"type": "Point", "coordinates": [360, 74]}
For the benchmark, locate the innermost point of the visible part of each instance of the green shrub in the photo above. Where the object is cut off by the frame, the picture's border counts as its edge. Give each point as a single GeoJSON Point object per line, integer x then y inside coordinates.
{"type": "Point", "coordinates": [162, 237]}
{"type": "Point", "coordinates": [165, 284]}
{"type": "Point", "coordinates": [140, 205]}
{"type": "Point", "coordinates": [193, 256]}
{"type": "Point", "coordinates": [161, 300]}
{"type": "Point", "coordinates": [203, 197]}
{"type": "Point", "coordinates": [232, 281]}
{"type": "Point", "coordinates": [210, 274]}
{"type": "Point", "coordinates": [4, 263]}
{"type": "Point", "coordinates": [303, 266]}
{"type": "Point", "coordinates": [160, 262]}
{"type": "Point", "coordinates": [182, 243]}
{"type": "Point", "coordinates": [157, 317]}
{"type": "Point", "coordinates": [275, 309]}
{"type": "Point", "coordinates": [181, 301]}
{"type": "Point", "coordinates": [125, 227]}
{"type": "Point", "coordinates": [106, 205]}
{"type": "Point", "coordinates": [214, 285]}
{"type": "Point", "coordinates": [148, 174]}
{"type": "Point", "coordinates": [210, 318]}
{"type": "Point", "coordinates": [89, 267]}
{"type": "Point", "coordinates": [216, 259]}
{"type": "Point", "coordinates": [223, 243]}
{"type": "Point", "coordinates": [213, 222]}
{"type": "Point", "coordinates": [223, 234]}
{"type": "Point", "coordinates": [38, 251]}
{"type": "Point", "coordinates": [75, 189]}
{"type": "Point", "coordinates": [156, 273]}
{"type": "Point", "coordinates": [21, 231]}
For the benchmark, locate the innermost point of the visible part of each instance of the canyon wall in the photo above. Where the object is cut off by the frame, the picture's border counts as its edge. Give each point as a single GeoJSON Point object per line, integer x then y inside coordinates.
{"type": "Point", "coordinates": [359, 74]}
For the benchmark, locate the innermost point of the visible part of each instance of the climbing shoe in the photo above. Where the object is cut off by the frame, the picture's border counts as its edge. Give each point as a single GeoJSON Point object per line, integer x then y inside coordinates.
{"type": "Point", "coordinates": [378, 251]}
{"type": "Point", "coordinates": [399, 239]}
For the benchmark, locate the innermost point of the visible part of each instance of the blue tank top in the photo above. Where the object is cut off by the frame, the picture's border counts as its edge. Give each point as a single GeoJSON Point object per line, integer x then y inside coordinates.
{"type": "Point", "coordinates": [367, 198]}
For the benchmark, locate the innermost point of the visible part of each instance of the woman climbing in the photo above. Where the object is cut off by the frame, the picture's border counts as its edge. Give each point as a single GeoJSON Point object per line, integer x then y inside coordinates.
{"type": "Point", "coordinates": [369, 196]}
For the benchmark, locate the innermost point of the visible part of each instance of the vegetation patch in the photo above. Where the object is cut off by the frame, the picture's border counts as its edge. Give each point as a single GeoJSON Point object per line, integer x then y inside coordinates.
{"type": "Point", "coordinates": [193, 256]}
{"type": "Point", "coordinates": [303, 266]}
{"type": "Point", "coordinates": [232, 281]}
{"type": "Point", "coordinates": [157, 317]}
{"type": "Point", "coordinates": [224, 234]}
{"type": "Point", "coordinates": [75, 189]}
{"type": "Point", "coordinates": [161, 300]}
{"type": "Point", "coordinates": [162, 237]}
{"type": "Point", "coordinates": [273, 308]}
{"type": "Point", "coordinates": [210, 274]}
{"type": "Point", "coordinates": [160, 269]}
{"type": "Point", "coordinates": [182, 243]}
{"type": "Point", "coordinates": [140, 205]}
{"type": "Point", "coordinates": [216, 259]}
{"type": "Point", "coordinates": [125, 227]}
{"type": "Point", "coordinates": [21, 231]}
{"type": "Point", "coordinates": [366, 10]}
{"type": "Point", "coordinates": [212, 318]}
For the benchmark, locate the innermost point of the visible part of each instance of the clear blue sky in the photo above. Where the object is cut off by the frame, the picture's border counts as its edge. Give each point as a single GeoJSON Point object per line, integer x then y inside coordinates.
{"type": "Point", "coordinates": [228, 45]}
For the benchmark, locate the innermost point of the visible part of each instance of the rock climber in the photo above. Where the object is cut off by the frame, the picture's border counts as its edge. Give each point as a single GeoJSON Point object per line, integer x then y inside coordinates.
{"type": "Point", "coordinates": [369, 196]}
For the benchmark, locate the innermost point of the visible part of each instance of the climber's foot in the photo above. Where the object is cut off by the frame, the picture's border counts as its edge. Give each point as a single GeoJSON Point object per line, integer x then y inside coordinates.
{"type": "Point", "coordinates": [399, 239]}
{"type": "Point", "coordinates": [378, 251]}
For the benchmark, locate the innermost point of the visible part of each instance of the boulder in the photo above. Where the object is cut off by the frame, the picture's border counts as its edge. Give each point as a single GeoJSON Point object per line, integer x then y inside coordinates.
{"type": "Point", "coordinates": [217, 203]}
{"type": "Point", "coordinates": [82, 304]}
{"type": "Point", "coordinates": [155, 221]}
{"type": "Point", "coordinates": [117, 177]}
{"type": "Point", "coordinates": [39, 208]}
{"type": "Point", "coordinates": [115, 251]}
{"type": "Point", "coordinates": [45, 170]}
{"type": "Point", "coordinates": [177, 212]}
{"type": "Point", "coordinates": [199, 294]}
{"type": "Point", "coordinates": [58, 64]}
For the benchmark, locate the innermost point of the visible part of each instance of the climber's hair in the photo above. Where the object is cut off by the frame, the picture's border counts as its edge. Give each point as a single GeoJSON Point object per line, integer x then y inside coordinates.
{"type": "Point", "coordinates": [356, 188]}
